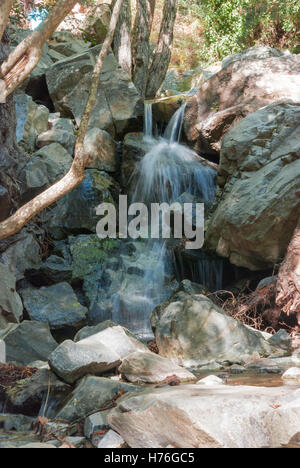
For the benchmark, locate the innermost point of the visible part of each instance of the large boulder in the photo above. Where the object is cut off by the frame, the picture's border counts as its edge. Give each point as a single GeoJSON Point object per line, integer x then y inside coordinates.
{"type": "Point", "coordinates": [134, 149]}
{"type": "Point", "coordinates": [254, 53]}
{"type": "Point", "coordinates": [22, 255]}
{"type": "Point", "coordinates": [92, 394]}
{"type": "Point", "coordinates": [11, 308]}
{"type": "Point", "coordinates": [118, 104]}
{"type": "Point", "coordinates": [259, 184]}
{"type": "Point", "coordinates": [28, 342]}
{"type": "Point", "coordinates": [208, 416]}
{"type": "Point", "coordinates": [95, 354]}
{"type": "Point", "coordinates": [148, 367]}
{"type": "Point", "coordinates": [101, 149]}
{"type": "Point", "coordinates": [240, 88]}
{"type": "Point", "coordinates": [56, 159]}
{"type": "Point", "coordinates": [29, 393]}
{"type": "Point", "coordinates": [76, 211]}
{"type": "Point", "coordinates": [57, 135]}
{"type": "Point", "coordinates": [32, 120]}
{"type": "Point", "coordinates": [56, 305]}
{"type": "Point", "coordinates": [45, 167]}
{"type": "Point", "coordinates": [192, 331]}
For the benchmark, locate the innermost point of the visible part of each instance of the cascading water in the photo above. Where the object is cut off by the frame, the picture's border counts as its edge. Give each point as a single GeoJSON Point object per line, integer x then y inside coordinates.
{"type": "Point", "coordinates": [168, 171]}
{"type": "Point", "coordinates": [174, 129]}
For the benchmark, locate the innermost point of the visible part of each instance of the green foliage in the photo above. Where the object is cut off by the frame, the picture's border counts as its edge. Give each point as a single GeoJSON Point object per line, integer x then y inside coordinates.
{"type": "Point", "coordinates": [233, 25]}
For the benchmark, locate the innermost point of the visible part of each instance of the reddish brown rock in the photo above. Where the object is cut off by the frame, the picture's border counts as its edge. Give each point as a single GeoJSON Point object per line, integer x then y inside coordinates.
{"type": "Point", "coordinates": [240, 88]}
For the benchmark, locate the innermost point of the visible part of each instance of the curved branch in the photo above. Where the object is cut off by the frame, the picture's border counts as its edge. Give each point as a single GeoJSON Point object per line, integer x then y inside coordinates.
{"type": "Point", "coordinates": [5, 7]}
{"type": "Point", "coordinates": [25, 57]}
{"type": "Point", "coordinates": [76, 174]}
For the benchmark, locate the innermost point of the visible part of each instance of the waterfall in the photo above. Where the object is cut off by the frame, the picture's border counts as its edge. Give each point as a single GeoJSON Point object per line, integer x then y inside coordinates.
{"type": "Point", "coordinates": [174, 129]}
{"type": "Point", "coordinates": [148, 120]}
{"type": "Point", "coordinates": [145, 277]}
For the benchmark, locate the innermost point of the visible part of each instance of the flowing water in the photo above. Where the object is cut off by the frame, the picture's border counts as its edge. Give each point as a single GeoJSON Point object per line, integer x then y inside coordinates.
{"type": "Point", "coordinates": [166, 172]}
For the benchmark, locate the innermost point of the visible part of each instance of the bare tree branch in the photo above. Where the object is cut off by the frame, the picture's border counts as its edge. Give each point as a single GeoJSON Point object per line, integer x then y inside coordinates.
{"type": "Point", "coordinates": [76, 174]}
{"type": "Point", "coordinates": [25, 57]}
{"type": "Point", "coordinates": [5, 7]}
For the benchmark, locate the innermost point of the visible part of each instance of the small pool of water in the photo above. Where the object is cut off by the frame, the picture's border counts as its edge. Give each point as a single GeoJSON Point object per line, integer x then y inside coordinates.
{"type": "Point", "coordinates": [249, 379]}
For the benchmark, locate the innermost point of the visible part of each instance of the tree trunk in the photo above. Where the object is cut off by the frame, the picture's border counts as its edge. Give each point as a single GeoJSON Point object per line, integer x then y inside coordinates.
{"type": "Point", "coordinates": [12, 159]}
{"type": "Point", "coordinates": [5, 7]}
{"type": "Point", "coordinates": [288, 283]}
{"type": "Point", "coordinates": [162, 55]}
{"type": "Point", "coordinates": [25, 57]}
{"type": "Point", "coordinates": [141, 46]}
{"type": "Point", "coordinates": [122, 38]}
{"type": "Point", "coordinates": [151, 10]}
{"type": "Point", "coordinates": [76, 174]}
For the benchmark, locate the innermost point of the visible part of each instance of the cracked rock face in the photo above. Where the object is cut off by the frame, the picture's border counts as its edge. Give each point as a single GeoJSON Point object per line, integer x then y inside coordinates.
{"type": "Point", "coordinates": [118, 103]}
{"type": "Point", "coordinates": [249, 82]}
{"type": "Point", "coordinates": [259, 185]}
{"type": "Point", "coordinates": [208, 416]}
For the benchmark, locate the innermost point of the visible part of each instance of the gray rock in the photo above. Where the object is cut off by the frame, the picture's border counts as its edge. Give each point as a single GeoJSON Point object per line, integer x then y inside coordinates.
{"type": "Point", "coordinates": [118, 104]}
{"type": "Point", "coordinates": [214, 416]}
{"type": "Point", "coordinates": [95, 423]}
{"type": "Point", "coordinates": [236, 91]}
{"type": "Point", "coordinates": [53, 270]}
{"type": "Point", "coordinates": [33, 389]}
{"type": "Point", "coordinates": [15, 422]}
{"type": "Point", "coordinates": [22, 255]}
{"type": "Point", "coordinates": [57, 160]}
{"type": "Point", "coordinates": [236, 369]}
{"type": "Point", "coordinates": [111, 440]}
{"type": "Point", "coordinates": [11, 308]}
{"type": "Point", "coordinates": [281, 339]}
{"type": "Point", "coordinates": [258, 175]}
{"type": "Point", "coordinates": [212, 367]}
{"type": "Point", "coordinates": [58, 123]}
{"type": "Point", "coordinates": [57, 135]}
{"type": "Point", "coordinates": [254, 53]}
{"type": "Point", "coordinates": [95, 354]}
{"type": "Point", "coordinates": [56, 305]}
{"type": "Point", "coordinates": [73, 46]}
{"type": "Point", "coordinates": [34, 179]}
{"type": "Point", "coordinates": [27, 342]}
{"type": "Point", "coordinates": [31, 121]}
{"type": "Point", "coordinates": [44, 168]}
{"type": "Point", "coordinates": [76, 211]}
{"type": "Point", "coordinates": [134, 149]}
{"type": "Point", "coordinates": [268, 366]}
{"type": "Point", "coordinates": [72, 361]}
{"type": "Point", "coordinates": [92, 393]}
{"type": "Point", "coordinates": [85, 332]}
{"type": "Point", "coordinates": [101, 149]}
{"type": "Point", "coordinates": [148, 367]}
{"type": "Point", "coordinates": [192, 331]}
